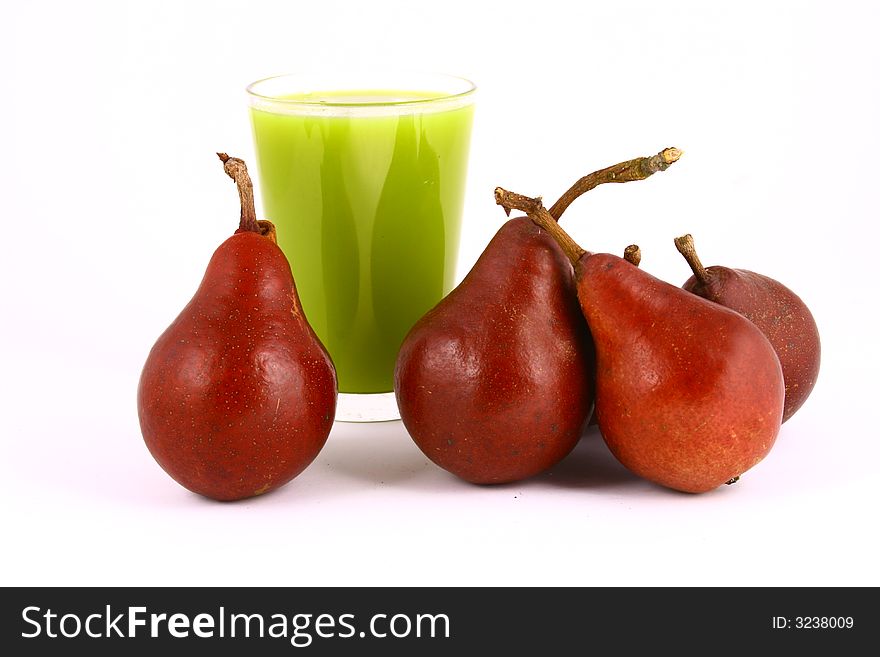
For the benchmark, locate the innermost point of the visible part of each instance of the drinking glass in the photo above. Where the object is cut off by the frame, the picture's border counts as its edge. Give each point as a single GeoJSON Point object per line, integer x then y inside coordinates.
{"type": "Point", "coordinates": [363, 175]}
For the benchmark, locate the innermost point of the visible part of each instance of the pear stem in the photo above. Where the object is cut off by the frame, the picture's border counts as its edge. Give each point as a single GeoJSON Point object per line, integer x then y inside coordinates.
{"type": "Point", "coordinates": [629, 171]}
{"type": "Point", "coordinates": [633, 254]}
{"type": "Point", "coordinates": [237, 170]}
{"type": "Point", "coordinates": [685, 246]}
{"type": "Point", "coordinates": [539, 215]}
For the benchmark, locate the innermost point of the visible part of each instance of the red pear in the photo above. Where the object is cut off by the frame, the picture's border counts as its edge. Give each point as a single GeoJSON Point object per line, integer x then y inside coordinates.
{"type": "Point", "coordinates": [238, 395]}
{"type": "Point", "coordinates": [494, 384]}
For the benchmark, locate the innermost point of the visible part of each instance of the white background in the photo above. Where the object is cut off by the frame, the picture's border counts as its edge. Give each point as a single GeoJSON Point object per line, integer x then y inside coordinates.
{"type": "Point", "coordinates": [113, 201]}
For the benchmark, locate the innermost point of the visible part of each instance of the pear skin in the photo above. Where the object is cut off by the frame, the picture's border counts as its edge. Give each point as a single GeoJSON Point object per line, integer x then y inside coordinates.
{"type": "Point", "coordinates": [494, 384]}
{"type": "Point", "coordinates": [689, 394]}
{"type": "Point", "coordinates": [238, 394]}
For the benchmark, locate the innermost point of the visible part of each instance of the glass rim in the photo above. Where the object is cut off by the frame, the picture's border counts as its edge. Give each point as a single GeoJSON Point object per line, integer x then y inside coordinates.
{"type": "Point", "coordinates": [442, 97]}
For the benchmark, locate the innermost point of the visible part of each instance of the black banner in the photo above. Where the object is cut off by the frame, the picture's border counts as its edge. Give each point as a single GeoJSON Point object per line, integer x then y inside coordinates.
{"type": "Point", "coordinates": [436, 621]}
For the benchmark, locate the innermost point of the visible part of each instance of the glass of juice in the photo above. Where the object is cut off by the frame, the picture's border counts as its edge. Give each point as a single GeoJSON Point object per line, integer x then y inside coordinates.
{"type": "Point", "coordinates": [364, 176]}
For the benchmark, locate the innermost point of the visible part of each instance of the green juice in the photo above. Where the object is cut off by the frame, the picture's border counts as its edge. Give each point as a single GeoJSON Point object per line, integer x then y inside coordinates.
{"type": "Point", "coordinates": [368, 206]}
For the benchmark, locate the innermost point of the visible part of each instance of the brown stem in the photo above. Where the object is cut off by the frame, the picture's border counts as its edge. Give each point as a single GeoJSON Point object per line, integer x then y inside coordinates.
{"type": "Point", "coordinates": [538, 214]}
{"type": "Point", "coordinates": [685, 246]}
{"type": "Point", "coordinates": [637, 169]}
{"type": "Point", "coordinates": [267, 229]}
{"type": "Point", "coordinates": [237, 170]}
{"type": "Point", "coordinates": [633, 254]}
